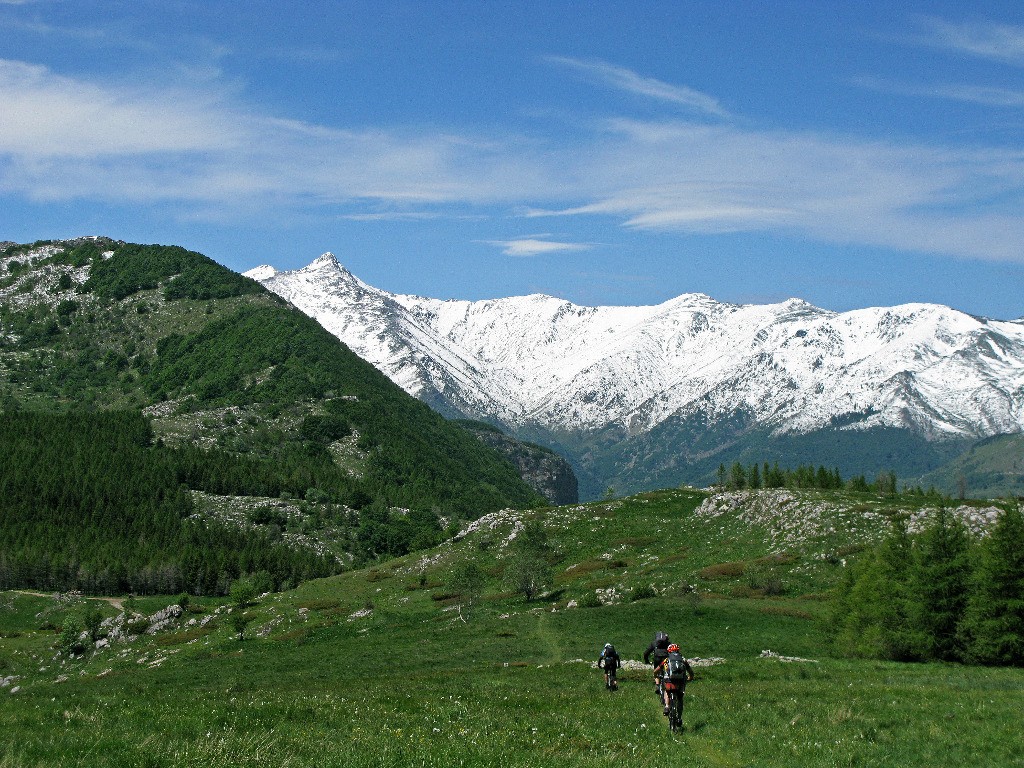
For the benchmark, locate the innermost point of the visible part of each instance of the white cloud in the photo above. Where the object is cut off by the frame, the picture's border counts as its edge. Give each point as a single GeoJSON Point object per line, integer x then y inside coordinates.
{"type": "Point", "coordinates": [699, 179]}
{"type": "Point", "coordinates": [66, 138]}
{"type": "Point", "coordinates": [628, 80]}
{"type": "Point", "coordinates": [1000, 42]}
{"type": "Point", "coordinates": [532, 246]}
{"type": "Point", "coordinates": [46, 115]}
{"type": "Point", "coordinates": [971, 94]}
{"type": "Point", "coordinates": [209, 155]}
{"type": "Point", "coordinates": [979, 94]}
{"type": "Point", "coordinates": [391, 216]}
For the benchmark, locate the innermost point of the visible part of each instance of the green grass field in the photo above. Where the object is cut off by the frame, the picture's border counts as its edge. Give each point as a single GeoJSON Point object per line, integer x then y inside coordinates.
{"type": "Point", "coordinates": [375, 667]}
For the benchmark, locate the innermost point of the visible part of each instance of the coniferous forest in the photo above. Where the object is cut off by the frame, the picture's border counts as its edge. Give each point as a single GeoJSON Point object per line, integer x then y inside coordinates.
{"type": "Point", "coordinates": [89, 502]}
{"type": "Point", "coordinates": [246, 397]}
{"type": "Point", "coordinates": [941, 594]}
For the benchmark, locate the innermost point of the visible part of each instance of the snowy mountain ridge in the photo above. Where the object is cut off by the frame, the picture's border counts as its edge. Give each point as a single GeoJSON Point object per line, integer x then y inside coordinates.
{"type": "Point", "coordinates": [545, 363]}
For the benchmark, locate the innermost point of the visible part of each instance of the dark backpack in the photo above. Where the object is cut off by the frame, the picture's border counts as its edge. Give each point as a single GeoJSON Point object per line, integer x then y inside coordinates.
{"type": "Point", "coordinates": [661, 640]}
{"type": "Point", "coordinates": [609, 655]}
{"type": "Point", "coordinates": [675, 666]}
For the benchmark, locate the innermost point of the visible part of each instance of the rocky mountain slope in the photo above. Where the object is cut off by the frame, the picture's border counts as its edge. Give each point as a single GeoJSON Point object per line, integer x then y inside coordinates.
{"type": "Point", "coordinates": [654, 395]}
{"type": "Point", "coordinates": [543, 470]}
{"type": "Point", "coordinates": [150, 377]}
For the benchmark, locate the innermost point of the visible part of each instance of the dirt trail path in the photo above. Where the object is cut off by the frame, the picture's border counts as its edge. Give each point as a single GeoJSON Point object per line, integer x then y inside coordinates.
{"type": "Point", "coordinates": [117, 602]}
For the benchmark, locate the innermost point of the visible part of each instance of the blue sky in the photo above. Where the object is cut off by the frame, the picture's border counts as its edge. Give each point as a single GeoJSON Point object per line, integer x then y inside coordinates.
{"type": "Point", "coordinates": [850, 154]}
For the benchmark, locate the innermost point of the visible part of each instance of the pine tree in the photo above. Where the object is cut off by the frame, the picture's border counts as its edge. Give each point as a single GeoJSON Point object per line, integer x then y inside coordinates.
{"type": "Point", "coordinates": [737, 477]}
{"type": "Point", "coordinates": [885, 483]}
{"type": "Point", "coordinates": [895, 559]}
{"type": "Point", "coordinates": [852, 615]}
{"type": "Point", "coordinates": [93, 619]}
{"type": "Point", "coordinates": [993, 628]}
{"type": "Point", "coordinates": [939, 583]}
{"type": "Point", "coordinates": [754, 477]}
{"type": "Point", "coordinates": [871, 616]}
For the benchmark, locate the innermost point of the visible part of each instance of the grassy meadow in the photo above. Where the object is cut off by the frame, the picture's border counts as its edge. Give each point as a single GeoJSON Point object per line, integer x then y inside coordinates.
{"type": "Point", "coordinates": [376, 667]}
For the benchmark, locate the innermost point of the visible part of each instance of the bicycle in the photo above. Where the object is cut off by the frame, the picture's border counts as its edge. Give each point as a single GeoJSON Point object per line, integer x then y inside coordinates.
{"type": "Point", "coordinates": [674, 673]}
{"type": "Point", "coordinates": [609, 679]}
{"type": "Point", "coordinates": [609, 662]}
{"type": "Point", "coordinates": [675, 694]}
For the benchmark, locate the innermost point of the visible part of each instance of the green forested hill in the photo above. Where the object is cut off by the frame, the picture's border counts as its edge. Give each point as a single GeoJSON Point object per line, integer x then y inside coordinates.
{"type": "Point", "coordinates": [245, 397]}
{"type": "Point", "coordinates": [989, 468]}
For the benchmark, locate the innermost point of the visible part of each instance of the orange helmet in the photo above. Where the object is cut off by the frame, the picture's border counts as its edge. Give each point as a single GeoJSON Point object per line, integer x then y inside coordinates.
{"type": "Point", "coordinates": [673, 648]}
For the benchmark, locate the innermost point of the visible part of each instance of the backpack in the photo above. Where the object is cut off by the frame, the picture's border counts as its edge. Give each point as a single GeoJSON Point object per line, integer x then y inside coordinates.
{"type": "Point", "coordinates": [661, 639]}
{"type": "Point", "coordinates": [675, 665]}
{"type": "Point", "coordinates": [609, 654]}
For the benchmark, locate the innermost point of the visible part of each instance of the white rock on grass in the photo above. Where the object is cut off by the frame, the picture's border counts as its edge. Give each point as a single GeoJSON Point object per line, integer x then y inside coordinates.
{"type": "Point", "coordinates": [788, 659]}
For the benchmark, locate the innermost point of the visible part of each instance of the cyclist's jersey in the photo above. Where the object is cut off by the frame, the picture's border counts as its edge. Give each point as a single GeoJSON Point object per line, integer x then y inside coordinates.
{"type": "Point", "coordinates": [657, 650]}
{"type": "Point", "coordinates": [609, 662]}
{"type": "Point", "coordinates": [684, 672]}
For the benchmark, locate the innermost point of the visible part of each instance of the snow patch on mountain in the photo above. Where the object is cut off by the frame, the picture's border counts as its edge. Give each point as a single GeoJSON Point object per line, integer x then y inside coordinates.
{"type": "Point", "coordinates": [540, 361]}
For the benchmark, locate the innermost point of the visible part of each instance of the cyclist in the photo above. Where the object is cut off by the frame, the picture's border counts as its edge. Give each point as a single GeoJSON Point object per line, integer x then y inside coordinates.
{"type": "Point", "coordinates": [609, 661]}
{"type": "Point", "coordinates": [655, 654]}
{"type": "Point", "coordinates": [675, 668]}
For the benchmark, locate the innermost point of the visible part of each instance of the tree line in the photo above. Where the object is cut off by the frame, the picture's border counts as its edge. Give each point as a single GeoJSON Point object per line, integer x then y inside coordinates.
{"type": "Point", "coordinates": [937, 595]}
{"type": "Point", "coordinates": [753, 476]}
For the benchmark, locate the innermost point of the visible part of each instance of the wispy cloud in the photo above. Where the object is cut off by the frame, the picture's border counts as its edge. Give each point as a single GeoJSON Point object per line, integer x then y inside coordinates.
{"type": "Point", "coordinates": [700, 179]}
{"type": "Point", "coordinates": [972, 94]}
{"type": "Point", "coordinates": [627, 80]}
{"type": "Point", "coordinates": [999, 42]}
{"type": "Point", "coordinates": [391, 216]}
{"type": "Point", "coordinates": [48, 116]}
{"type": "Point", "coordinates": [535, 246]}
{"type": "Point", "coordinates": [65, 138]}
{"type": "Point", "coordinates": [206, 153]}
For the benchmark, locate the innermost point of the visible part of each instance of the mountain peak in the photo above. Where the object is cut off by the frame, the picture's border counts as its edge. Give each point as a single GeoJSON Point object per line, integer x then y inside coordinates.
{"type": "Point", "coordinates": [261, 273]}
{"type": "Point", "coordinates": [326, 260]}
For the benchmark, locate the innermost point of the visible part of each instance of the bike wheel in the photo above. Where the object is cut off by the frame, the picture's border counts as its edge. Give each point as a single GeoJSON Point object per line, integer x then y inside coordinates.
{"type": "Point", "coordinates": [675, 712]}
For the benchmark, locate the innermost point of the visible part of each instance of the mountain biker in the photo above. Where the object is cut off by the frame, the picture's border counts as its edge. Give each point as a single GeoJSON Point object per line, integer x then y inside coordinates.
{"type": "Point", "coordinates": [658, 649]}
{"type": "Point", "coordinates": [609, 661]}
{"type": "Point", "coordinates": [675, 668]}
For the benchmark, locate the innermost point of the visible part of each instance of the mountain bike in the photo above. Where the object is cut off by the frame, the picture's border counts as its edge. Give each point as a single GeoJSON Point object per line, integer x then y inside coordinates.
{"type": "Point", "coordinates": [609, 679]}
{"type": "Point", "coordinates": [675, 694]}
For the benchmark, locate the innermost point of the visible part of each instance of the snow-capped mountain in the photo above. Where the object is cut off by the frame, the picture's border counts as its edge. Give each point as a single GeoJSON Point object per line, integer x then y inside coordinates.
{"type": "Point", "coordinates": [541, 365]}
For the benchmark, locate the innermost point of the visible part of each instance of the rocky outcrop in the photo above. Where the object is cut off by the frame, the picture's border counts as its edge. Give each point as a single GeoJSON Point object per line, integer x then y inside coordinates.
{"type": "Point", "coordinates": [541, 468]}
